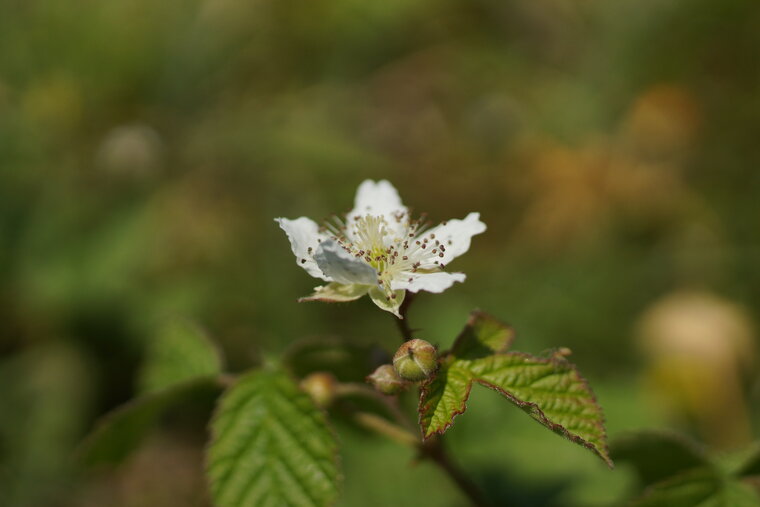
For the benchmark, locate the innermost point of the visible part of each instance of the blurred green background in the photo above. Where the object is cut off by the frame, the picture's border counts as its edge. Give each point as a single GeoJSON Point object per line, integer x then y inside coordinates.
{"type": "Point", "coordinates": [145, 147]}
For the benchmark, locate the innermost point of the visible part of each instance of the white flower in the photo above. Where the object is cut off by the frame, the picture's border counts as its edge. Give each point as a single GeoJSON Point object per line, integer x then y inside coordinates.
{"type": "Point", "coordinates": [379, 249]}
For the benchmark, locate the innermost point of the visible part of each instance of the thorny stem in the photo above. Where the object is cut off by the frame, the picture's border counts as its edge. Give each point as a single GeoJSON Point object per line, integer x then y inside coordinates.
{"type": "Point", "coordinates": [433, 448]}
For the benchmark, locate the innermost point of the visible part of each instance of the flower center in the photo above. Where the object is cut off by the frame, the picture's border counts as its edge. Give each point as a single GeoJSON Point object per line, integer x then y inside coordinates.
{"type": "Point", "coordinates": [397, 247]}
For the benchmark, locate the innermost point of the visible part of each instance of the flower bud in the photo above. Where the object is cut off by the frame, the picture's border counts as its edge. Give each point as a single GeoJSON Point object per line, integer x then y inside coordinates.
{"type": "Point", "coordinates": [386, 380]}
{"type": "Point", "coordinates": [321, 387]}
{"type": "Point", "coordinates": [415, 360]}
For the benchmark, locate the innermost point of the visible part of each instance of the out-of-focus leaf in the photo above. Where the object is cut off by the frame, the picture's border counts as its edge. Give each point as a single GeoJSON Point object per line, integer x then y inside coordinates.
{"type": "Point", "coordinates": [549, 389]}
{"type": "Point", "coordinates": [348, 360]}
{"type": "Point", "coordinates": [121, 431]}
{"type": "Point", "coordinates": [703, 487]}
{"type": "Point", "coordinates": [270, 445]}
{"type": "Point", "coordinates": [658, 455]}
{"type": "Point", "coordinates": [181, 351]}
{"type": "Point", "coordinates": [43, 405]}
{"type": "Point", "coordinates": [751, 467]}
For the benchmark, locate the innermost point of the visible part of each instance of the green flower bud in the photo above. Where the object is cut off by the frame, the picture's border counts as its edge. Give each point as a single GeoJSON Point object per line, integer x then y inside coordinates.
{"type": "Point", "coordinates": [321, 387]}
{"type": "Point", "coordinates": [415, 360]}
{"type": "Point", "coordinates": [386, 380]}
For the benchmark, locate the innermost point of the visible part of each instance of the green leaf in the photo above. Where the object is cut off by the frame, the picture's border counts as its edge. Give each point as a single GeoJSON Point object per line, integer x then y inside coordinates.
{"type": "Point", "coordinates": [549, 389]}
{"type": "Point", "coordinates": [657, 455]}
{"type": "Point", "coordinates": [482, 336]}
{"type": "Point", "coordinates": [270, 446]}
{"type": "Point", "coordinates": [181, 351]}
{"type": "Point", "coordinates": [181, 365]}
{"type": "Point", "coordinates": [119, 432]}
{"type": "Point", "coordinates": [336, 293]}
{"type": "Point", "coordinates": [703, 487]}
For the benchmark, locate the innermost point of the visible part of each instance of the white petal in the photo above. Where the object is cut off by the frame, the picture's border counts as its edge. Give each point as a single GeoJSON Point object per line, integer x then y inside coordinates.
{"type": "Point", "coordinates": [343, 267]}
{"type": "Point", "coordinates": [376, 198]}
{"type": "Point", "coordinates": [455, 236]}
{"type": "Point", "coordinates": [303, 234]}
{"type": "Point", "coordinates": [430, 282]}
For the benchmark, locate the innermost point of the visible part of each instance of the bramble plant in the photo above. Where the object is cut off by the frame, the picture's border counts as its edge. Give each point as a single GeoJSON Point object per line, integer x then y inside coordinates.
{"type": "Point", "coordinates": [270, 437]}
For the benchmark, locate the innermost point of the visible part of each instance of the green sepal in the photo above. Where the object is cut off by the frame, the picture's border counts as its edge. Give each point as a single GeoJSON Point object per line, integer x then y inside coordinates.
{"type": "Point", "coordinates": [336, 293]}
{"type": "Point", "coordinates": [386, 302]}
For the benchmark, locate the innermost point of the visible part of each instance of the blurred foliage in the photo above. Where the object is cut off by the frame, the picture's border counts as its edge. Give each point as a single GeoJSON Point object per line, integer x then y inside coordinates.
{"type": "Point", "coordinates": [676, 472]}
{"type": "Point", "coordinates": [178, 353]}
{"type": "Point", "coordinates": [145, 147]}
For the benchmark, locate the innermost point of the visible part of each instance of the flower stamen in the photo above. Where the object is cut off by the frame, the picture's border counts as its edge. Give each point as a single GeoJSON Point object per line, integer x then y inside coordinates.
{"type": "Point", "coordinates": [393, 250]}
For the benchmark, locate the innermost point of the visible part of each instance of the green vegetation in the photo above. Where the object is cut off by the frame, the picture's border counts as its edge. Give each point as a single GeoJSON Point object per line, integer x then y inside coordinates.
{"type": "Point", "coordinates": [145, 148]}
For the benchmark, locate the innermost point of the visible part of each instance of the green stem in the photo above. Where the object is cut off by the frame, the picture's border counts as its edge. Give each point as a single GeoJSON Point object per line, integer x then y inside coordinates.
{"type": "Point", "coordinates": [404, 433]}
{"type": "Point", "coordinates": [433, 448]}
{"type": "Point", "coordinates": [390, 402]}
{"type": "Point", "coordinates": [403, 323]}
{"type": "Point", "coordinates": [388, 429]}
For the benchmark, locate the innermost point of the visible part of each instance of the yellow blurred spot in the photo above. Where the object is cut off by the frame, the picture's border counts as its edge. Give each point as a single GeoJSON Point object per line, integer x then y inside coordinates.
{"type": "Point", "coordinates": [663, 120]}
{"type": "Point", "coordinates": [698, 346]}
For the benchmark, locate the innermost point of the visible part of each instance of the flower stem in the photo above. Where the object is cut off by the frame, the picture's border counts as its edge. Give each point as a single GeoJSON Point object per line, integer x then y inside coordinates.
{"type": "Point", "coordinates": [403, 323]}
{"type": "Point", "coordinates": [433, 448]}
{"type": "Point", "coordinates": [390, 402]}
{"type": "Point", "coordinates": [384, 427]}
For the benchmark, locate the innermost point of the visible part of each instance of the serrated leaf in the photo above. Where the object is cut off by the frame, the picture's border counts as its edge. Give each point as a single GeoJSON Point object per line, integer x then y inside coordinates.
{"type": "Point", "coordinates": [703, 487]}
{"type": "Point", "coordinates": [482, 336]}
{"type": "Point", "coordinates": [657, 455]}
{"type": "Point", "coordinates": [336, 293]}
{"type": "Point", "coordinates": [119, 432]}
{"type": "Point", "coordinates": [270, 446]}
{"type": "Point", "coordinates": [180, 351]}
{"type": "Point", "coordinates": [549, 389]}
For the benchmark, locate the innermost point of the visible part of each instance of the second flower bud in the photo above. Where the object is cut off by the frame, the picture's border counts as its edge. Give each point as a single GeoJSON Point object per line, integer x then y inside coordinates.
{"type": "Point", "coordinates": [415, 360]}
